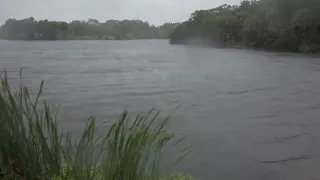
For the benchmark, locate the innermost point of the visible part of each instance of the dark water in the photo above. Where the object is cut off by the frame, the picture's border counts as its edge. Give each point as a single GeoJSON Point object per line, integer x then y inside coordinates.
{"type": "Point", "coordinates": [239, 109]}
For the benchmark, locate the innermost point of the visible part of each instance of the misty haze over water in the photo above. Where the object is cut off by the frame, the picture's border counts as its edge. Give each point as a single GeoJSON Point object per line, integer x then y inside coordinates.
{"type": "Point", "coordinates": [241, 110]}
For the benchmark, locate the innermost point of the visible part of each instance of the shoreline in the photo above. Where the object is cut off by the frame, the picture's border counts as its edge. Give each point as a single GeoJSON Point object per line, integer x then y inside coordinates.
{"type": "Point", "coordinates": [248, 48]}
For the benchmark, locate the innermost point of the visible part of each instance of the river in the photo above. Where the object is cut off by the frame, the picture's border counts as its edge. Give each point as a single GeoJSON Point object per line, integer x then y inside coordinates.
{"type": "Point", "coordinates": [239, 109]}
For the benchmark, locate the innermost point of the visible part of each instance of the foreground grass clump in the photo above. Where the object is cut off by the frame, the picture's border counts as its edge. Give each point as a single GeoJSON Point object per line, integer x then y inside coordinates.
{"type": "Point", "coordinates": [32, 148]}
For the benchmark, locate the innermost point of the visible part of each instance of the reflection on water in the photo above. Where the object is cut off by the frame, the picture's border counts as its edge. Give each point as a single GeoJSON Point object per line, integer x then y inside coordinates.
{"type": "Point", "coordinates": [247, 115]}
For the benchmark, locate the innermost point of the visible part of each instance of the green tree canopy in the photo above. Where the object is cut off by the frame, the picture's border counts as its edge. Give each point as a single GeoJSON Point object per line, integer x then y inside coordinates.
{"type": "Point", "coordinates": [292, 25]}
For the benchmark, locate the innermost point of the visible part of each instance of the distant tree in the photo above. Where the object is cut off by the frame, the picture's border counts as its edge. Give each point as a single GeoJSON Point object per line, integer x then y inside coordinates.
{"type": "Point", "coordinates": [30, 29]}
{"type": "Point", "coordinates": [93, 21]}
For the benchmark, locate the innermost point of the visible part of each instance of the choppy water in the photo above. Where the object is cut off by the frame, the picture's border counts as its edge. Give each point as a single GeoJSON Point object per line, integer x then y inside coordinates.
{"type": "Point", "coordinates": [239, 108]}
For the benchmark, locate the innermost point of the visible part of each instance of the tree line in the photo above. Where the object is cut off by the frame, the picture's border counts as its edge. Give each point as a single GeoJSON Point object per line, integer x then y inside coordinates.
{"type": "Point", "coordinates": [291, 25]}
{"type": "Point", "coordinates": [30, 29]}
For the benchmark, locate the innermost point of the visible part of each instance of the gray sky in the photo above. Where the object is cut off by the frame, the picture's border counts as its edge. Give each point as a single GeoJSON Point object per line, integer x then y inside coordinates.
{"type": "Point", "coordinates": [153, 11]}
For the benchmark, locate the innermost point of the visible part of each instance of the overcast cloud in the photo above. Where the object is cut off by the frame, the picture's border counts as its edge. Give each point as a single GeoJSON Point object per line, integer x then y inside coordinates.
{"type": "Point", "coordinates": [153, 11]}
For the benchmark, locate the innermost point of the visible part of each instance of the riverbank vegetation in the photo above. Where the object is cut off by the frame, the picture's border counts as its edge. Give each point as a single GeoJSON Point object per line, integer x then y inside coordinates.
{"type": "Point", "coordinates": [291, 25]}
{"type": "Point", "coordinates": [30, 29]}
{"type": "Point", "coordinates": [33, 148]}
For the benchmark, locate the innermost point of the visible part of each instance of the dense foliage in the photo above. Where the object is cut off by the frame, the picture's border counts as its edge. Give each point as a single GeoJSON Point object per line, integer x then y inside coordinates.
{"type": "Point", "coordinates": [30, 29]}
{"type": "Point", "coordinates": [292, 25]}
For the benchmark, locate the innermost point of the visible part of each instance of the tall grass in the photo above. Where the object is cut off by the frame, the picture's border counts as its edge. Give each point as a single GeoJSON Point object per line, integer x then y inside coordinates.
{"type": "Point", "coordinates": [33, 148]}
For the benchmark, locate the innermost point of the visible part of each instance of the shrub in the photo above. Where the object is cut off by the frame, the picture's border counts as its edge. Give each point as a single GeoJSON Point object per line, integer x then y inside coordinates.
{"type": "Point", "coordinates": [311, 48]}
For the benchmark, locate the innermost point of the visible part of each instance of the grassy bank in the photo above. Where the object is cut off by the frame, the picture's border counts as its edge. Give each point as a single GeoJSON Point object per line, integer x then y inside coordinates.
{"type": "Point", "coordinates": [33, 147]}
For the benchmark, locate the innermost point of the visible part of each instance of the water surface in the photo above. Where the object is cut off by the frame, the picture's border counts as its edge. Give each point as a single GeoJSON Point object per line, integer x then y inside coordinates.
{"type": "Point", "coordinates": [240, 110]}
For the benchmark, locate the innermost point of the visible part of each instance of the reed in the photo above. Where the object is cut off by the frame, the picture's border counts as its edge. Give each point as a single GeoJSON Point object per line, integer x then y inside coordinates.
{"type": "Point", "coordinates": [32, 147]}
